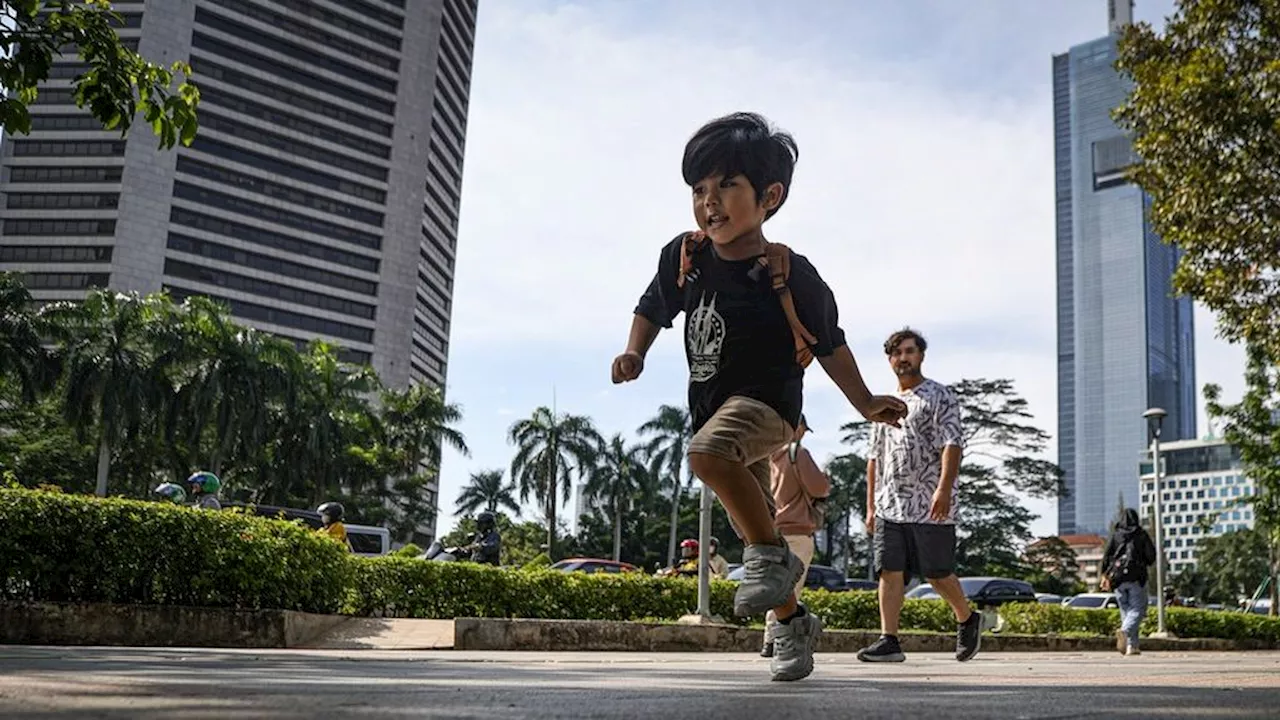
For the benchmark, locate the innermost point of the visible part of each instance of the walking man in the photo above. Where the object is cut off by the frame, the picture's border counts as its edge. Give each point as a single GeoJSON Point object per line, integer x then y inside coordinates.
{"type": "Point", "coordinates": [911, 500]}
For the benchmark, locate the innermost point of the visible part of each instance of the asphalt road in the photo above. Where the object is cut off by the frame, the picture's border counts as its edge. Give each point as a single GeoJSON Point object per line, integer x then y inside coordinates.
{"type": "Point", "coordinates": [148, 684]}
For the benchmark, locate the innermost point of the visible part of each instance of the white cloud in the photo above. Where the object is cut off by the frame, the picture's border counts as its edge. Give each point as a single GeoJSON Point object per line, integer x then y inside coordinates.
{"type": "Point", "coordinates": [918, 205]}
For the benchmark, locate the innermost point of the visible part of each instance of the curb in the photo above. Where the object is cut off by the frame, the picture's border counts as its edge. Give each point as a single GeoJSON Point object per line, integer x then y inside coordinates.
{"type": "Point", "coordinates": [496, 634]}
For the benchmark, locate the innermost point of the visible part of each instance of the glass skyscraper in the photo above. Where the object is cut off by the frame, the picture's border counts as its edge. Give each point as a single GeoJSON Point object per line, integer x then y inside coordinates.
{"type": "Point", "coordinates": [1124, 342]}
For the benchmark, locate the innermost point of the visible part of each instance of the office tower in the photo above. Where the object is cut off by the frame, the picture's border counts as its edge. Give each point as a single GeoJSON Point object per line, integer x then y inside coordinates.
{"type": "Point", "coordinates": [320, 199]}
{"type": "Point", "coordinates": [1124, 342]}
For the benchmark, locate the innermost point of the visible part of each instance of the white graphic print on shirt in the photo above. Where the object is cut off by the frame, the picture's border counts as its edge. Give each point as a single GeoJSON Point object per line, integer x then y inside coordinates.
{"type": "Point", "coordinates": [909, 458]}
{"type": "Point", "coordinates": [704, 331]}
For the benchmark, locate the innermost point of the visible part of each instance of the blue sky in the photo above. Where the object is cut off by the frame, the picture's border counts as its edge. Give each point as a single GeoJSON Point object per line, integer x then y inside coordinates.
{"type": "Point", "coordinates": [923, 193]}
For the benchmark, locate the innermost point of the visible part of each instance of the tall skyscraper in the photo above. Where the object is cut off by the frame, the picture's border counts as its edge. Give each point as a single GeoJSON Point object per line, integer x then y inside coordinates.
{"type": "Point", "coordinates": [1125, 343]}
{"type": "Point", "coordinates": [320, 199]}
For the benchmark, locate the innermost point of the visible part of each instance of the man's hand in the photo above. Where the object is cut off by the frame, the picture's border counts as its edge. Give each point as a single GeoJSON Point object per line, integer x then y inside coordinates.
{"type": "Point", "coordinates": [940, 508]}
{"type": "Point", "coordinates": [871, 523]}
{"type": "Point", "coordinates": [627, 366]}
{"type": "Point", "coordinates": [886, 409]}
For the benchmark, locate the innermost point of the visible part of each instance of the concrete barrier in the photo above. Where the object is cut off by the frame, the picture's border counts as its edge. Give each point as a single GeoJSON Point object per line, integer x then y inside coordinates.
{"type": "Point", "coordinates": [596, 635]}
{"type": "Point", "coordinates": [158, 625]}
{"type": "Point", "coordinates": [169, 626]}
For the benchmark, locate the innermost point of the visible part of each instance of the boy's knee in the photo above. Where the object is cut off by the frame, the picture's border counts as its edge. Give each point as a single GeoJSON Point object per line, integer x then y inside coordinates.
{"type": "Point", "coordinates": [706, 465]}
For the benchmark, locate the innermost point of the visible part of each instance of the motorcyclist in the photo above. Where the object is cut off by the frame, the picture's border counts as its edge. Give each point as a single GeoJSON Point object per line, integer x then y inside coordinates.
{"type": "Point", "coordinates": [688, 564]}
{"type": "Point", "coordinates": [171, 492]}
{"type": "Point", "coordinates": [331, 514]}
{"type": "Point", "coordinates": [486, 547]}
{"type": "Point", "coordinates": [203, 487]}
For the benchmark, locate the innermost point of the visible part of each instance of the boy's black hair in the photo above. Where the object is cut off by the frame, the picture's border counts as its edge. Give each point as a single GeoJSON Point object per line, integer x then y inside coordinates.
{"type": "Point", "coordinates": [905, 333]}
{"type": "Point", "coordinates": [742, 143]}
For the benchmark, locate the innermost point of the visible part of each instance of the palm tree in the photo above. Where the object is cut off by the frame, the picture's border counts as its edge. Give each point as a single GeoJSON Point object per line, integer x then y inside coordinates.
{"type": "Point", "coordinates": [671, 429]}
{"type": "Point", "coordinates": [111, 380]}
{"type": "Point", "coordinates": [231, 377]}
{"type": "Point", "coordinates": [418, 422]}
{"type": "Point", "coordinates": [549, 447]}
{"type": "Point", "coordinates": [487, 490]}
{"type": "Point", "coordinates": [22, 357]}
{"type": "Point", "coordinates": [617, 479]}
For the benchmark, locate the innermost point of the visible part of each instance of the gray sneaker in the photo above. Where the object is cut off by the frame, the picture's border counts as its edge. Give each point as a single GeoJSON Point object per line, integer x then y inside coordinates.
{"type": "Point", "coordinates": [793, 647]}
{"type": "Point", "coordinates": [770, 574]}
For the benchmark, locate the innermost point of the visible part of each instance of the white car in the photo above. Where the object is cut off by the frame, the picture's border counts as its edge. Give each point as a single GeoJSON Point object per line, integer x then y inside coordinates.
{"type": "Point", "coordinates": [1093, 601]}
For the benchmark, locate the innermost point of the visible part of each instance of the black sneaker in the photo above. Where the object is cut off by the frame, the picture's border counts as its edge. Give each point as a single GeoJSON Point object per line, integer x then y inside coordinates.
{"type": "Point", "coordinates": [886, 649]}
{"type": "Point", "coordinates": [767, 650]}
{"type": "Point", "coordinates": [969, 637]}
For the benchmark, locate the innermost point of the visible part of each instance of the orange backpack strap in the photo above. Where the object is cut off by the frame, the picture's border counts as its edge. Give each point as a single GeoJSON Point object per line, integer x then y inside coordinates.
{"type": "Point", "coordinates": [689, 245]}
{"type": "Point", "coordinates": [777, 260]}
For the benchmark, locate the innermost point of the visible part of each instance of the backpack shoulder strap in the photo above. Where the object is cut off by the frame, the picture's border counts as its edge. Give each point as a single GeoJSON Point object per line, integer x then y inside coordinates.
{"type": "Point", "coordinates": [691, 244]}
{"type": "Point", "coordinates": [777, 260]}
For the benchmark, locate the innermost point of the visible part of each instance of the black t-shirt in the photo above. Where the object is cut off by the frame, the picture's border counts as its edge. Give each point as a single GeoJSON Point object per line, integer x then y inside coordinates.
{"type": "Point", "coordinates": [737, 339]}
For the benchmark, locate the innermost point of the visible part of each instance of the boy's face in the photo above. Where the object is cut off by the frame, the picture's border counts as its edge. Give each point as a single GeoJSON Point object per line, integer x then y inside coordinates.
{"type": "Point", "coordinates": [726, 207]}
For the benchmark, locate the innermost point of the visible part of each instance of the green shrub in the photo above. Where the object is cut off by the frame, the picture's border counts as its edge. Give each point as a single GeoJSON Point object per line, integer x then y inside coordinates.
{"type": "Point", "coordinates": [57, 547]}
{"type": "Point", "coordinates": [401, 587]}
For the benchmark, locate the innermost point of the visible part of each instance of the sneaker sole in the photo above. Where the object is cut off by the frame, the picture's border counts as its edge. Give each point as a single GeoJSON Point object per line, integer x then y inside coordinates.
{"type": "Point", "coordinates": [895, 657]}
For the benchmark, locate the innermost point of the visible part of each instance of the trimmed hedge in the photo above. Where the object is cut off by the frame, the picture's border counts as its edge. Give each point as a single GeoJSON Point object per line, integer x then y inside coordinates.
{"type": "Point", "coordinates": [407, 587]}
{"type": "Point", "coordinates": [57, 547]}
{"type": "Point", "coordinates": [73, 548]}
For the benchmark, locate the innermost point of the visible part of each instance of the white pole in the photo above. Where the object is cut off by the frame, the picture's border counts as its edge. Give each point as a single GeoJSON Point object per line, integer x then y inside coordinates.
{"type": "Point", "coordinates": [1155, 457]}
{"type": "Point", "coordinates": [704, 541]}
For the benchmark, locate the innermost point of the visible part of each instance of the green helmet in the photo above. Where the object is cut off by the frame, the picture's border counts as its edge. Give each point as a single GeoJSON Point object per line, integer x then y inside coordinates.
{"type": "Point", "coordinates": [206, 482]}
{"type": "Point", "coordinates": [172, 492]}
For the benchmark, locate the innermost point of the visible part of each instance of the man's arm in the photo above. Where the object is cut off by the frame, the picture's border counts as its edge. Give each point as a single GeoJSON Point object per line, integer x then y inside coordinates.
{"type": "Point", "coordinates": [871, 496]}
{"type": "Point", "coordinates": [951, 440]}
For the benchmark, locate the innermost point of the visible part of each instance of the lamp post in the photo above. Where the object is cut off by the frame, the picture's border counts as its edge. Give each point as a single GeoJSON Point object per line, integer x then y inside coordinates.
{"type": "Point", "coordinates": [1155, 417]}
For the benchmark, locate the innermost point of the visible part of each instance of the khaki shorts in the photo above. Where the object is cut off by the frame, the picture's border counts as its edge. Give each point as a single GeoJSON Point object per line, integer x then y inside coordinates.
{"type": "Point", "coordinates": [747, 431]}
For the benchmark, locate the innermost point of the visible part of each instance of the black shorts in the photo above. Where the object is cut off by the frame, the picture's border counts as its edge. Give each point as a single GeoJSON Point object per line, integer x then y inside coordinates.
{"type": "Point", "coordinates": [922, 549]}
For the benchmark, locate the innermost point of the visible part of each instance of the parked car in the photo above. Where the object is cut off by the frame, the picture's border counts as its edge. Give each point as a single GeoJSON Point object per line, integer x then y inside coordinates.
{"type": "Point", "coordinates": [852, 584]}
{"type": "Point", "coordinates": [1048, 598]}
{"type": "Point", "coordinates": [983, 591]}
{"type": "Point", "coordinates": [593, 565]}
{"type": "Point", "coordinates": [1093, 601]}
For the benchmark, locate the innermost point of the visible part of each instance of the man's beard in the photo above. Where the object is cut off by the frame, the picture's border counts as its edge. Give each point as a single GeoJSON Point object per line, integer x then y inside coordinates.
{"type": "Point", "coordinates": [907, 371]}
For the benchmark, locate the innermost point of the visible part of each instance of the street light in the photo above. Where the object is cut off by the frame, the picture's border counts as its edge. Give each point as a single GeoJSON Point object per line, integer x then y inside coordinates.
{"type": "Point", "coordinates": [1155, 417]}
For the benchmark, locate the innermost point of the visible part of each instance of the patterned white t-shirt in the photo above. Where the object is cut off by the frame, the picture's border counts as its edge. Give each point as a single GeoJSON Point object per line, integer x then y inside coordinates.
{"type": "Point", "coordinates": [909, 458]}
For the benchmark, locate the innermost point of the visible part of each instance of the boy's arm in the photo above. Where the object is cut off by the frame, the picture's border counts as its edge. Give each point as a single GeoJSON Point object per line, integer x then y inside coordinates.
{"type": "Point", "coordinates": [657, 307]}
{"type": "Point", "coordinates": [817, 310]}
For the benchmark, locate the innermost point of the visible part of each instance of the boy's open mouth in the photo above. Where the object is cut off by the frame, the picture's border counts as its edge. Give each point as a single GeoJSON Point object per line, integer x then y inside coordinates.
{"type": "Point", "coordinates": [715, 221]}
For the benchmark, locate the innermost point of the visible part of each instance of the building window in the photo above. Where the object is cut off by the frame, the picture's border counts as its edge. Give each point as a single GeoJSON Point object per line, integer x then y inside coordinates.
{"type": "Point", "coordinates": [1111, 160]}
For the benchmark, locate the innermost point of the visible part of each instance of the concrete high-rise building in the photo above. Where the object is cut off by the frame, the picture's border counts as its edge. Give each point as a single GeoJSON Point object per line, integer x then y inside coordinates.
{"type": "Point", "coordinates": [1200, 478]}
{"type": "Point", "coordinates": [1125, 343]}
{"type": "Point", "coordinates": [320, 199]}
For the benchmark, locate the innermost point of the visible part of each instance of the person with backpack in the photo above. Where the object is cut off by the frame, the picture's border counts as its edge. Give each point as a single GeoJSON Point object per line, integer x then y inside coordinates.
{"type": "Point", "coordinates": [756, 314]}
{"type": "Point", "coordinates": [800, 491]}
{"type": "Point", "coordinates": [1125, 559]}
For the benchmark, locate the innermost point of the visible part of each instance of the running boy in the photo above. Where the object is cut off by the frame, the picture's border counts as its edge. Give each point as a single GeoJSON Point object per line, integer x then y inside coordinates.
{"type": "Point", "coordinates": [745, 374]}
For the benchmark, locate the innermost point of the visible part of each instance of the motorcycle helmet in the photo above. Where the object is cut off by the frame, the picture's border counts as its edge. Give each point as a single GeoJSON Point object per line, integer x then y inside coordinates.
{"type": "Point", "coordinates": [689, 549]}
{"type": "Point", "coordinates": [172, 492]}
{"type": "Point", "coordinates": [331, 512]}
{"type": "Point", "coordinates": [485, 520]}
{"type": "Point", "coordinates": [204, 482]}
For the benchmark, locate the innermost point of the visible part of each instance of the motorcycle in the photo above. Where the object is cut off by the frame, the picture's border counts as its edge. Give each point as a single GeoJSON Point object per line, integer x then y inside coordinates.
{"type": "Point", "coordinates": [439, 553]}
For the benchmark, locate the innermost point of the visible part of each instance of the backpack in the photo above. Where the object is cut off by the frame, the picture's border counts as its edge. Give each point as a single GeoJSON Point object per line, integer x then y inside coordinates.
{"type": "Point", "coordinates": [1125, 564]}
{"type": "Point", "coordinates": [777, 262]}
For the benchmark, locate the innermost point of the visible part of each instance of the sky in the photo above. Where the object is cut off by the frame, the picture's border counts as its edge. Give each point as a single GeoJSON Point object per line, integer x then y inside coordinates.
{"type": "Point", "coordinates": [923, 194]}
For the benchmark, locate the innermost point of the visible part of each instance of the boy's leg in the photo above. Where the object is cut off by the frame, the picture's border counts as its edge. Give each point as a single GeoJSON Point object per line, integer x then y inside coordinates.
{"type": "Point", "coordinates": [890, 557]}
{"type": "Point", "coordinates": [936, 548]}
{"type": "Point", "coordinates": [729, 453]}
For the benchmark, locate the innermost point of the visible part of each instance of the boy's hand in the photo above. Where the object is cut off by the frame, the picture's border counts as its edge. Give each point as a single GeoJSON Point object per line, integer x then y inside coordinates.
{"type": "Point", "coordinates": [886, 409]}
{"type": "Point", "coordinates": [627, 366]}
